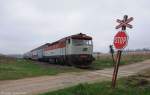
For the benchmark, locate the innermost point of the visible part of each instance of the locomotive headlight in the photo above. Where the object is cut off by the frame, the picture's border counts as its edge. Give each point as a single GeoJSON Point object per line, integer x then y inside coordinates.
{"type": "Point", "coordinates": [85, 49]}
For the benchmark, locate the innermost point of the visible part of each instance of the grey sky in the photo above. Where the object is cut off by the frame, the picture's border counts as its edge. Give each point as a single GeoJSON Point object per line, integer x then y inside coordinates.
{"type": "Point", "coordinates": [26, 24]}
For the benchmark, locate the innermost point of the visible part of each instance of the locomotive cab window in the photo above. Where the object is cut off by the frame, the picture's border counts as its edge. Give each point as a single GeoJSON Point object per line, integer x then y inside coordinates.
{"type": "Point", "coordinates": [80, 42]}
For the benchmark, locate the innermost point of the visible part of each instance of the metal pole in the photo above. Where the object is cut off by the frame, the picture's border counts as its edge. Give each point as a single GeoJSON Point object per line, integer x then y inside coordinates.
{"type": "Point", "coordinates": [116, 68]}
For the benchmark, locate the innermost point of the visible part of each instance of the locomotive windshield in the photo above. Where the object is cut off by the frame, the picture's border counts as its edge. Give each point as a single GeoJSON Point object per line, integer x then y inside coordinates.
{"type": "Point", "coordinates": [80, 42]}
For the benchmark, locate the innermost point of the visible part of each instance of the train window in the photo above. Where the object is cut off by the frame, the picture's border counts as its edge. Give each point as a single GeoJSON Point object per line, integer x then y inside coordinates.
{"type": "Point", "coordinates": [77, 42]}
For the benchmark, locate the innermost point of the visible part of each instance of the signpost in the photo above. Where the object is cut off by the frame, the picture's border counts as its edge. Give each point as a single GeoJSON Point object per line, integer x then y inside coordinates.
{"type": "Point", "coordinates": [120, 42]}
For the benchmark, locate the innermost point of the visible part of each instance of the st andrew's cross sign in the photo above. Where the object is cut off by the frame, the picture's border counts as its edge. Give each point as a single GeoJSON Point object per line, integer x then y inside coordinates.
{"type": "Point", "coordinates": [124, 22]}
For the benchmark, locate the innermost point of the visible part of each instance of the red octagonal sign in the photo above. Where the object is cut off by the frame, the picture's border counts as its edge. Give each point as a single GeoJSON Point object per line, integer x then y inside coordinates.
{"type": "Point", "coordinates": [120, 40]}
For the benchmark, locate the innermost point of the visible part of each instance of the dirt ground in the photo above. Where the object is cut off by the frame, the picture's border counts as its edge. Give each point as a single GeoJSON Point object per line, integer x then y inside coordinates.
{"type": "Point", "coordinates": [36, 85]}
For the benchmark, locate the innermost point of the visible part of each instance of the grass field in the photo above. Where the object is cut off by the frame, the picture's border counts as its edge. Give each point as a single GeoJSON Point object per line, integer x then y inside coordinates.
{"type": "Point", "coordinates": [133, 85]}
{"type": "Point", "coordinates": [19, 68]}
{"type": "Point", "coordinates": [106, 60]}
{"type": "Point", "coordinates": [11, 68]}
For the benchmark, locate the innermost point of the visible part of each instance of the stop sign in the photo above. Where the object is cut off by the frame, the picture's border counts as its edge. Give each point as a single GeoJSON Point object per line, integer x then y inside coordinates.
{"type": "Point", "coordinates": [120, 40]}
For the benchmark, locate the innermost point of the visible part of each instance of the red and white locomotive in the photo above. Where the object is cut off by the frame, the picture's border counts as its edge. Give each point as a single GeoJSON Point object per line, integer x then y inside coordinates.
{"type": "Point", "coordinates": [72, 50]}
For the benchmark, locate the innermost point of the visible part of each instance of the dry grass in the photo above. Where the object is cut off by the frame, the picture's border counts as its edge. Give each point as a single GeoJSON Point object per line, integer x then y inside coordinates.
{"type": "Point", "coordinates": [105, 61]}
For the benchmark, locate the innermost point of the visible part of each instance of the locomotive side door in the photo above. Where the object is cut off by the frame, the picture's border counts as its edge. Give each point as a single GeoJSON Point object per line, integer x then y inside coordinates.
{"type": "Point", "coordinates": [68, 47]}
{"type": "Point", "coordinates": [68, 51]}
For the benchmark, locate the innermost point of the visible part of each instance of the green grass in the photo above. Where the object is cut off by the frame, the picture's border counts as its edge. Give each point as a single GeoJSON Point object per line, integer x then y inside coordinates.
{"type": "Point", "coordinates": [106, 61]}
{"type": "Point", "coordinates": [102, 89]}
{"type": "Point", "coordinates": [133, 85]}
{"type": "Point", "coordinates": [20, 68]}
{"type": "Point", "coordinates": [11, 68]}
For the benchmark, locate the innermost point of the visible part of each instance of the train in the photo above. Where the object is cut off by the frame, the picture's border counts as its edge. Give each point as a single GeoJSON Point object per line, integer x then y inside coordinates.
{"type": "Point", "coordinates": [74, 50]}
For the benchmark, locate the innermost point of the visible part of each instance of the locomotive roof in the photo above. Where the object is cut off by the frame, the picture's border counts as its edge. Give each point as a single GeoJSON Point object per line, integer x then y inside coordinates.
{"type": "Point", "coordinates": [81, 36]}
{"type": "Point", "coordinates": [41, 47]}
{"type": "Point", "coordinates": [77, 36]}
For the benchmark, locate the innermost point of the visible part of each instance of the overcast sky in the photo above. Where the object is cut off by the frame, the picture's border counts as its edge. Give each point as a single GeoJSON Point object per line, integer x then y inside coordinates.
{"type": "Point", "coordinates": [26, 24]}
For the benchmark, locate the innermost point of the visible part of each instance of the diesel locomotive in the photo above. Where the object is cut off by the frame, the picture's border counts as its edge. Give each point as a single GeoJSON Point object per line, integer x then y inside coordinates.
{"type": "Point", "coordinates": [74, 50]}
